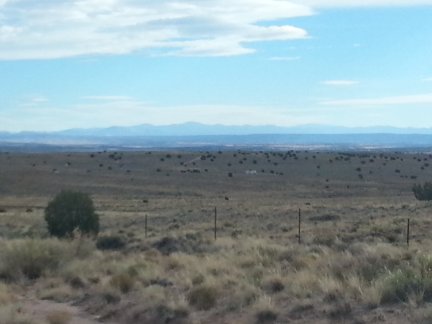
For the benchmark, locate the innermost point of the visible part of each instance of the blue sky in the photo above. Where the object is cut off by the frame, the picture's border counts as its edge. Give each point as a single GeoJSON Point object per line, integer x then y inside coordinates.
{"type": "Point", "coordinates": [98, 63]}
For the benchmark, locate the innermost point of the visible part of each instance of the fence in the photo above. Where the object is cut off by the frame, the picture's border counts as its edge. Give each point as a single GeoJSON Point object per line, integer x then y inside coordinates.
{"type": "Point", "coordinates": [318, 229]}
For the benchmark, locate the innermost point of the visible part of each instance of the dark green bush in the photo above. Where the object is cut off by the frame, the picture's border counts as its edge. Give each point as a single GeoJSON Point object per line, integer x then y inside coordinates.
{"type": "Point", "coordinates": [70, 211]}
{"type": "Point", "coordinates": [110, 243]}
{"type": "Point", "coordinates": [423, 192]}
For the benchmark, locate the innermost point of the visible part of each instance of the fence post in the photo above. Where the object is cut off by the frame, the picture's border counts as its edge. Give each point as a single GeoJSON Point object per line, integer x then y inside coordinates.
{"type": "Point", "coordinates": [408, 232]}
{"type": "Point", "coordinates": [215, 223]}
{"type": "Point", "coordinates": [299, 226]}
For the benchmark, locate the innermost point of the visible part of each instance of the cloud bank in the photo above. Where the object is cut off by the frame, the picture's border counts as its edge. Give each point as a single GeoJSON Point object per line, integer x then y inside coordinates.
{"type": "Point", "coordinates": [50, 29]}
{"type": "Point", "coordinates": [64, 28]}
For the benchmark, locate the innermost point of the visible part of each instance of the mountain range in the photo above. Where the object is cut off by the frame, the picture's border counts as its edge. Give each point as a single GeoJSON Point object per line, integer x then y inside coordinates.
{"type": "Point", "coordinates": [198, 129]}
{"type": "Point", "coordinates": [196, 134]}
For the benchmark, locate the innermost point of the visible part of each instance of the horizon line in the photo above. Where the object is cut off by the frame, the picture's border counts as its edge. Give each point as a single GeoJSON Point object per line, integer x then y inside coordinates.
{"type": "Point", "coordinates": [327, 127]}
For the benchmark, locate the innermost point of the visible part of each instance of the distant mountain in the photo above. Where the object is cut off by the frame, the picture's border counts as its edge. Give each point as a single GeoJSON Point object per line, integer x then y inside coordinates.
{"type": "Point", "coordinates": [194, 129]}
{"type": "Point", "coordinates": [194, 135]}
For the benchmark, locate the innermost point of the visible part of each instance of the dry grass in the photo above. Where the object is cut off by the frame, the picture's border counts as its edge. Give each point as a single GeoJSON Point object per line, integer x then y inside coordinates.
{"type": "Point", "coordinates": [352, 259]}
{"type": "Point", "coordinates": [59, 317]}
{"type": "Point", "coordinates": [6, 296]}
{"type": "Point", "coordinates": [12, 314]}
{"type": "Point", "coordinates": [32, 258]}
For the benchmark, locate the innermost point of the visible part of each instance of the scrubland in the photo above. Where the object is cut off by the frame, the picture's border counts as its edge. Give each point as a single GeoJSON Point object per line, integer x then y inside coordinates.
{"type": "Point", "coordinates": [352, 265]}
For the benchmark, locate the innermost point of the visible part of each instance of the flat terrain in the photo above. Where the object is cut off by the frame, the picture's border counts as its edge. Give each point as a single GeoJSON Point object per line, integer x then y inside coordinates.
{"type": "Point", "coordinates": [351, 259]}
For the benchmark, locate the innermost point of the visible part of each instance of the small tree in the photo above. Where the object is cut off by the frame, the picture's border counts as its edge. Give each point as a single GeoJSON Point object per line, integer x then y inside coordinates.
{"type": "Point", "coordinates": [423, 192]}
{"type": "Point", "coordinates": [70, 211]}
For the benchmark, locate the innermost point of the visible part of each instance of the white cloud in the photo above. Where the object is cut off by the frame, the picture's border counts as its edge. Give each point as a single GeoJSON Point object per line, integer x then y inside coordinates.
{"type": "Point", "coordinates": [64, 28]}
{"type": "Point", "coordinates": [427, 79]}
{"type": "Point", "coordinates": [421, 99]}
{"type": "Point", "coordinates": [340, 83]}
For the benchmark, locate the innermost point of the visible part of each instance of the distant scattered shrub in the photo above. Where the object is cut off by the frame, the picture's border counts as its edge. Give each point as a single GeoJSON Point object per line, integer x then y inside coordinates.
{"type": "Point", "coordinates": [423, 192]}
{"type": "Point", "coordinates": [111, 242]}
{"type": "Point", "coordinates": [70, 211]}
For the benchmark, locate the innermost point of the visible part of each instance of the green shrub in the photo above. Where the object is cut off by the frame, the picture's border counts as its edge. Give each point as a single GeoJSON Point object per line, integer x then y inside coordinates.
{"type": "Point", "coordinates": [423, 192]}
{"type": "Point", "coordinates": [70, 211]}
{"type": "Point", "coordinates": [31, 258]}
{"type": "Point", "coordinates": [110, 243]}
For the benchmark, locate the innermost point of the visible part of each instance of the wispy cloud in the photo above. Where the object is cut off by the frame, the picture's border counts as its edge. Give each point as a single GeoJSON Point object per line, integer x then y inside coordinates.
{"type": "Point", "coordinates": [384, 101]}
{"type": "Point", "coordinates": [39, 99]}
{"type": "Point", "coordinates": [427, 79]}
{"type": "Point", "coordinates": [65, 28]}
{"type": "Point", "coordinates": [105, 111]}
{"type": "Point", "coordinates": [364, 3]}
{"type": "Point", "coordinates": [109, 98]}
{"type": "Point", "coordinates": [340, 83]}
{"type": "Point", "coordinates": [34, 101]}
{"type": "Point", "coordinates": [285, 58]}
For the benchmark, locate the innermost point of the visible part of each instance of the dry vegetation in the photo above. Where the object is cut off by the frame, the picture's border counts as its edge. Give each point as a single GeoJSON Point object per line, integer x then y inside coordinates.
{"type": "Point", "coordinates": [353, 264]}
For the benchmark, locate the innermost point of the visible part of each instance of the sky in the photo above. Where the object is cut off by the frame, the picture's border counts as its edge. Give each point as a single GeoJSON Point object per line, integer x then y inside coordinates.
{"type": "Point", "coordinates": [99, 63]}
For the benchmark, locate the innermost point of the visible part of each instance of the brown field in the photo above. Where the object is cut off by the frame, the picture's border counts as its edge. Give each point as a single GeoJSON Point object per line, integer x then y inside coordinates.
{"type": "Point", "coordinates": [353, 264]}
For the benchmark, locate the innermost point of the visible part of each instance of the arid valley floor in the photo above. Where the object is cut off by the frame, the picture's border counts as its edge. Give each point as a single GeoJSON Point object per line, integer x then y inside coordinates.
{"type": "Point", "coordinates": [352, 265]}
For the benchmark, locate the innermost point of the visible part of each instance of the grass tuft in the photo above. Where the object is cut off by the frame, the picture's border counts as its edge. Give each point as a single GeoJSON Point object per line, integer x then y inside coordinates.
{"type": "Point", "coordinates": [31, 258]}
{"type": "Point", "coordinates": [203, 297]}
